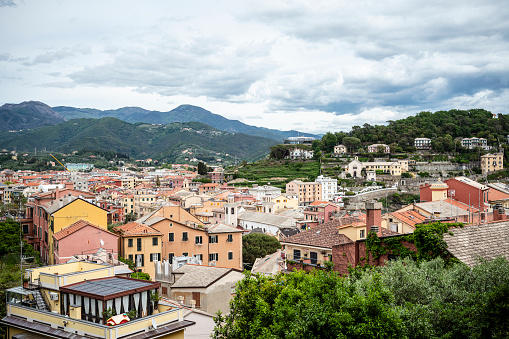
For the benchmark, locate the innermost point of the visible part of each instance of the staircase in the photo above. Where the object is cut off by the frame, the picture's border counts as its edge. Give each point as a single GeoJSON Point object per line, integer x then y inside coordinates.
{"type": "Point", "coordinates": [39, 299]}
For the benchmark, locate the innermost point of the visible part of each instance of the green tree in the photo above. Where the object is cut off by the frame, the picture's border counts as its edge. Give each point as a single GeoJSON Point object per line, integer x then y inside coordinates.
{"type": "Point", "coordinates": [257, 246]}
{"type": "Point", "coordinates": [158, 181]}
{"type": "Point", "coordinates": [351, 142]}
{"type": "Point", "coordinates": [202, 168]}
{"type": "Point", "coordinates": [140, 275]}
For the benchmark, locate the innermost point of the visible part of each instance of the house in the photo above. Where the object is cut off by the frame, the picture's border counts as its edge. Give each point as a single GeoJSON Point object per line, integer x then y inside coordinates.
{"type": "Point", "coordinates": [403, 221]}
{"type": "Point", "coordinates": [306, 192]}
{"type": "Point", "coordinates": [319, 212]}
{"type": "Point", "coordinates": [422, 143]}
{"type": "Point", "coordinates": [260, 193]}
{"type": "Point", "coordinates": [281, 202]}
{"type": "Point", "coordinates": [270, 223]}
{"type": "Point", "coordinates": [379, 148]}
{"type": "Point", "coordinates": [207, 288]}
{"type": "Point", "coordinates": [492, 163]}
{"type": "Point", "coordinates": [69, 301]}
{"type": "Point", "coordinates": [340, 149]}
{"type": "Point", "coordinates": [141, 244]}
{"type": "Point", "coordinates": [471, 143]}
{"type": "Point", "coordinates": [61, 213]}
{"type": "Point", "coordinates": [300, 153]}
{"type": "Point", "coordinates": [271, 264]}
{"type": "Point", "coordinates": [82, 238]}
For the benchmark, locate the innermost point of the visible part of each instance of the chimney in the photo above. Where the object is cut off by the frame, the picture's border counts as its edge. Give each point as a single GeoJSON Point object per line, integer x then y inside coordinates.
{"type": "Point", "coordinates": [57, 190]}
{"type": "Point", "coordinates": [374, 217]}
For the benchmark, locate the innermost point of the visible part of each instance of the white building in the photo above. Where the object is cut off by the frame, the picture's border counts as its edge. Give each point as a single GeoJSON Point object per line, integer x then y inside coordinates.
{"type": "Point", "coordinates": [374, 148]}
{"type": "Point", "coordinates": [299, 153]}
{"type": "Point", "coordinates": [474, 142]}
{"type": "Point", "coordinates": [422, 143]}
{"type": "Point", "coordinates": [260, 192]}
{"type": "Point", "coordinates": [340, 149]}
{"type": "Point", "coordinates": [329, 187]}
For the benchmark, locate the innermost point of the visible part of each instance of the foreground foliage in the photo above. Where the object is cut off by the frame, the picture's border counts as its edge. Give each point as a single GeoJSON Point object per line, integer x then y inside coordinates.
{"type": "Point", "coordinates": [404, 299]}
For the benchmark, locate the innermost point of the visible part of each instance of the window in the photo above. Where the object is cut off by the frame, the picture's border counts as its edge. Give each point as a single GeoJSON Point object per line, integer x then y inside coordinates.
{"type": "Point", "coordinates": [230, 238]}
{"type": "Point", "coordinates": [138, 244]}
{"type": "Point", "coordinates": [362, 234]}
{"type": "Point", "coordinates": [129, 242]}
{"type": "Point", "coordinates": [140, 260]}
{"type": "Point", "coordinates": [130, 257]}
{"type": "Point", "coordinates": [185, 254]}
{"type": "Point", "coordinates": [170, 257]}
{"type": "Point", "coordinates": [154, 241]}
{"type": "Point", "coordinates": [25, 228]}
{"type": "Point", "coordinates": [184, 236]}
{"type": "Point", "coordinates": [230, 255]}
{"type": "Point", "coordinates": [314, 257]}
{"type": "Point", "coordinates": [155, 257]}
{"type": "Point", "coordinates": [198, 239]}
{"type": "Point", "coordinates": [213, 257]}
{"type": "Point", "coordinates": [296, 254]}
{"type": "Point", "coordinates": [46, 237]}
{"type": "Point", "coordinates": [213, 239]}
{"type": "Point", "coordinates": [199, 256]}
{"type": "Point", "coordinates": [171, 236]}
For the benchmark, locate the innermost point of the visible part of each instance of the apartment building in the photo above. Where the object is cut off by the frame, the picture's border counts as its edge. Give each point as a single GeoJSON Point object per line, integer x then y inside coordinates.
{"type": "Point", "coordinates": [306, 192]}
{"type": "Point", "coordinates": [329, 187]}
{"type": "Point", "coordinates": [492, 162]}
{"type": "Point", "coordinates": [474, 142]}
{"type": "Point", "coordinates": [394, 168]}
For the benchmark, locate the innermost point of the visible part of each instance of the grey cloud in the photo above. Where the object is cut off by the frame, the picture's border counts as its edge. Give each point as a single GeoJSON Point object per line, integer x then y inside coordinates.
{"type": "Point", "coordinates": [7, 3]}
{"type": "Point", "coordinates": [204, 67]}
{"type": "Point", "coordinates": [56, 55]}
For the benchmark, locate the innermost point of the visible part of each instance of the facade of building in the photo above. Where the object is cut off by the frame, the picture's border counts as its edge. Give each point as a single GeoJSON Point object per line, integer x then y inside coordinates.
{"type": "Point", "coordinates": [340, 149]}
{"type": "Point", "coordinates": [71, 301]}
{"type": "Point", "coordinates": [306, 192]}
{"type": "Point", "coordinates": [492, 163]}
{"type": "Point", "coordinates": [299, 140]}
{"type": "Point", "coordinates": [474, 142]}
{"type": "Point", "coordinates": [355, 167]}
{"type": "Point", "coordinates": [375, 148]}
{"type": "Point", "coordinates": [299, 153]}
{"type": "Point", "coordinates": [422, 143]}
{"type": "Point", "coordinates": [329, 187]}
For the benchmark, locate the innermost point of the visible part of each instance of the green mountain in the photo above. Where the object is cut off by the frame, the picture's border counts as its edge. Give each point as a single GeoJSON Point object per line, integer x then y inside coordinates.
{"type": "Point", "coordinates": [28, 114]}
{"type": "Point", "coordinates": [172, 142]}
{"type": "Point", "coordinates": [183, 113]}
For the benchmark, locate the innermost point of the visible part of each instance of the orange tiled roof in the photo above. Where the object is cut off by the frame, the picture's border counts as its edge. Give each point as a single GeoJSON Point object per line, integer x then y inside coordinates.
{"type": "Point", "coordinates": [410, 218]}
{"type": "Point", "coordinates": [494, 194]}
{"type": "Point", "coordinates": [76, 227]}
{"type": "Point", "coordinates": [136, 229]}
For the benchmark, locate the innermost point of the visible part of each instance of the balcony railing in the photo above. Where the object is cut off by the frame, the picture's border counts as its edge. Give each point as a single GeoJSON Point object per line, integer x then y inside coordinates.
{"type": "Point", "coordinates": [91, 329]}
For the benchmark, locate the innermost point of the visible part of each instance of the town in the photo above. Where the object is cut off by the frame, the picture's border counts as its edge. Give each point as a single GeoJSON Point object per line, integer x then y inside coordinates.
{"type": "Point", "coordinates": [168, 245]}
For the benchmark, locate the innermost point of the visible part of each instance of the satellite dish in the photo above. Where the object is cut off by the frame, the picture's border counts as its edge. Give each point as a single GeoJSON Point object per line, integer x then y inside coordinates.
{"type": "Point", "coordinates": [154, 325]}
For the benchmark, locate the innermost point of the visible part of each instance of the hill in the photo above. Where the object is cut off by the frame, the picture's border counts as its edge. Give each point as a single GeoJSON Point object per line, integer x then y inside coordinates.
{"type": "Point", "coordinates": [28, 114]}
{"type": "Point", "coordinates": [183, 113]}
{"type": "Point", "coordinates": [173, 142]}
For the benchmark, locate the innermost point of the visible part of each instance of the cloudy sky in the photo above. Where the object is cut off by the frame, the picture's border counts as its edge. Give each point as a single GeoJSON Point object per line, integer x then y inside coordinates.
{"type": "Point", "coordinates": [314, 66]}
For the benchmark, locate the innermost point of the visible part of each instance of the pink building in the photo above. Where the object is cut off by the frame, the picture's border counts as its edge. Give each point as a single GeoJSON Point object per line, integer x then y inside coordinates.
{"type": "Point", "coordinates": [319, 212]}
{"type": "Point", "coordinates": [83, 238]}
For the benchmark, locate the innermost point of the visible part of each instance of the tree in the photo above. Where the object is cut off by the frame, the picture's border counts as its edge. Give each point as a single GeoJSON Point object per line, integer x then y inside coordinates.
{"type": "Point", "coordinates": [158, 182]}
{"type": "Point", "coordinates": [351, 142]}
{"type": "Point", "coordinates": [329, 141]}
{"type": "Point", "coordinates": [129, 217]}
{"type": "Point", "coordinates": [202, 168]}
{"type": "Point", "coordinates": [140, 275]}
{"type": "Point", "coordinates": [257, 246]}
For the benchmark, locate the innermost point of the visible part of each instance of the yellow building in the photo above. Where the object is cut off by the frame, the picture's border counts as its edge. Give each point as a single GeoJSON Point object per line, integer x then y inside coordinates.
{"type": "Point", "coordinates": [141, 244]}
{"type": "Point", "coordinates": [70, 300]}
{"type": "Point", "coordinates": [492, 162]}
{"type": "Point", "coordinates": [68, 210]}
{"type": "Point", "coordinates": [282, 201]}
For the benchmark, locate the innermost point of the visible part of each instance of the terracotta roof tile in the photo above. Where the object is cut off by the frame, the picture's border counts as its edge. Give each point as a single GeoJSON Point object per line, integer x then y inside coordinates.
{"type": "Point", "coordinates": [78, 225]}
{"type": "Point", "coordinates": [136, 229]}
{"type": "Point", "coordinates": [325, 235]}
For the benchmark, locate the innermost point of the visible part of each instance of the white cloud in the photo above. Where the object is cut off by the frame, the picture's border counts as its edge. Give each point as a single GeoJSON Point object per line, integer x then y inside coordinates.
{"type": "Point", "coordinates": [315, 66]}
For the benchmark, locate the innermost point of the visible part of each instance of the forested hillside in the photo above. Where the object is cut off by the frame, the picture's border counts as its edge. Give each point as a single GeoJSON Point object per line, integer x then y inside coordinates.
{"type": "Point", "coordinates": [172, 142]}
{"type": "Point", "coordinates": [442, 126]}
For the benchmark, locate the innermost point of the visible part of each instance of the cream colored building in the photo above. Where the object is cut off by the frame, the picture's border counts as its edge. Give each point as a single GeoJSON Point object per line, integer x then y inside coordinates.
{"type": "Point", "coordinates": [340, 149]}
{"type": "Point", "coordinates": [492, 162]}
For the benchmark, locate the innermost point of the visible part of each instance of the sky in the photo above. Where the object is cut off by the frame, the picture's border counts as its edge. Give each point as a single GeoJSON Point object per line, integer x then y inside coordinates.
{"type": "Point", "coordinates": [313, 66]}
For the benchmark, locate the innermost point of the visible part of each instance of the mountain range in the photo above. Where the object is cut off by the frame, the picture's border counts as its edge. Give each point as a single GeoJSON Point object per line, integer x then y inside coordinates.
{"type": "Point", "coordinates": [183, 113]}
{"type": "Point", "coordinates": [171, 143]}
